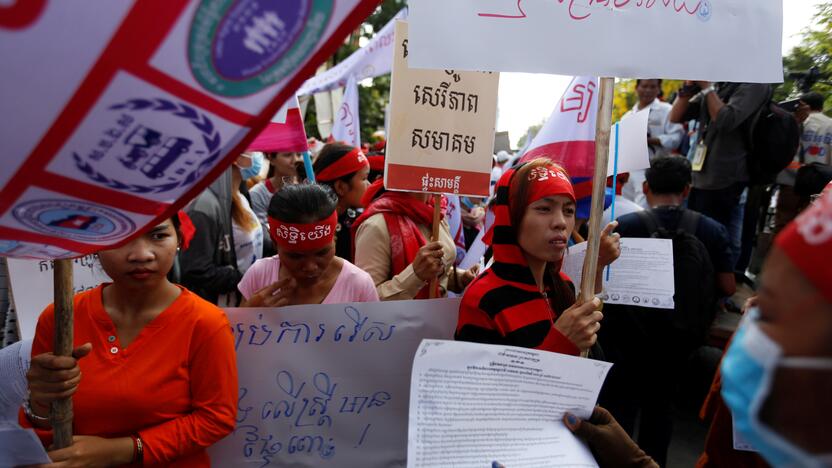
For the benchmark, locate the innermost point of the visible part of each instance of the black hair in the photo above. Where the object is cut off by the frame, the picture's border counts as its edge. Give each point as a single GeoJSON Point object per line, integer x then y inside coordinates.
{"type": "Point", "coordinates": [658, 80]}
{"type": "Point", "coordinates": [329, 155]}
{"type": "Point", "coordinates": [302, 203]}
{"type": "Point", "coordinates": [814, 100]}
{"type": "Point", "coordinates": [668, 175]}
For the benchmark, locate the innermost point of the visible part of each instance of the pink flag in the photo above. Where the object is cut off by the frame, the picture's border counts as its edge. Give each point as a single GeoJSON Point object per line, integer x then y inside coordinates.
{"type": "Point", "coordinates": [568, 136]}
{"type": "Point", "coordinates": [125, 111]}
{"type": "Point", "coordinates": [284, 133]}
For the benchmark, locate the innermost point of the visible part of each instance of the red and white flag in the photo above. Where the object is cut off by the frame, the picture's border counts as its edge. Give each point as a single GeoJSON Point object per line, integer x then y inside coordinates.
{"type": "Point", "coordinates": [118, 113]}
{"type": "Point", "coordinates": [285, 132]}
{"type": "Point", "coordinates": [568, 136]}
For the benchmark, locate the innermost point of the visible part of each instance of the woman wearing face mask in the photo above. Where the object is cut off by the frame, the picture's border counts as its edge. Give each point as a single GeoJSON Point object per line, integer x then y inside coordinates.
{"type": "Point", "coordinates": [777, 371]}
{"type": "Point", "coordinates": [159, 380]}
{"type": "Point", "coordinates": [302, 223]}
{"type": "Point", "coordinates": [523, 299]}
{"type": "Point", "coordinates": [248, 234]}
{"type": "Point", "coordinates": [344, 169]}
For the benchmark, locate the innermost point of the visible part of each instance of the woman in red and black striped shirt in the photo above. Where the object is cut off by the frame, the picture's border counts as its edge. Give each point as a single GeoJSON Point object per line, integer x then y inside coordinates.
{"type": "Point", "coordinates": [524, 299]}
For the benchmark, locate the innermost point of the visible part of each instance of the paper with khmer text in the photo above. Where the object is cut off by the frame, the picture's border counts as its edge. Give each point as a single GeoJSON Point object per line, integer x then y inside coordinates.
{"type": "Point", "coordinates": [471, 404]}
{"type": "Point", "coordinates": [642, 276]}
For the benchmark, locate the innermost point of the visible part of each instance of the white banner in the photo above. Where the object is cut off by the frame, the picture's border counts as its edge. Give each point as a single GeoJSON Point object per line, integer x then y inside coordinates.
{"type": "Point", "coordinates": [372, 60]}
{"type": "Point", "coordinates": [328, 384]}
{"type": "Point", "coordinates": [347, 125]}
{"type": "Point", "coordinates": [715, 40]}
{"type": "Point", "coordinates": [32, 284]}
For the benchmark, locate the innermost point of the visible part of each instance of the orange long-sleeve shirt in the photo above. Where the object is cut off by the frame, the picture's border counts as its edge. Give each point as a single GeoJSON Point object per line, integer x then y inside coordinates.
{"type": "Point", "coordinates": [175, 385]}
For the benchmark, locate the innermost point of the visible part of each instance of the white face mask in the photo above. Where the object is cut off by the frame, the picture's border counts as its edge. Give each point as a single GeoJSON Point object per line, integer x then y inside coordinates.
{"type": "Point", "coordinates": [756, 385]}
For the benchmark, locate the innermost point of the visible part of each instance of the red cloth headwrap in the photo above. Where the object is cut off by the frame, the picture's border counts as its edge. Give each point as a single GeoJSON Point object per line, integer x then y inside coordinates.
{"type": "Point", "coordinates": [808, 242]}
{"type": "Point", "coordinates": [547, 181]}
{"type": "Point", "coordinates": [350, 163]}
{"type": "Point", "coordinates": [186, 228]}
{"type": "Point", "coordinates": [305, 237]}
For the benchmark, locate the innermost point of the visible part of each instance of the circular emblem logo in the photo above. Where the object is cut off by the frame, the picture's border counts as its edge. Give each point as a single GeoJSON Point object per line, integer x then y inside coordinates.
{"type": "Point", "coordinates": [239, 47]}
{"type": "Point", "coordinates": [81, 221]}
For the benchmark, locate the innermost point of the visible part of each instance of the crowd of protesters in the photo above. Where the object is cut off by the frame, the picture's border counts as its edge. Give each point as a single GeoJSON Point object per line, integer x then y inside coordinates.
{"type": "Point", "coordinates": [275, 239]}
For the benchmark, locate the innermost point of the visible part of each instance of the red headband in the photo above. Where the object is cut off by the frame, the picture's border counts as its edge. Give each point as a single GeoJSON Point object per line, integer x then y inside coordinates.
{"type": "Point", "coordinates": [305, 237]}
{"type": "Point", "coordinates": [350, 163]}
{"type": "Point", "coordinates": [547, 181]}
{"type": "Point", "coordinates": [808, 242]}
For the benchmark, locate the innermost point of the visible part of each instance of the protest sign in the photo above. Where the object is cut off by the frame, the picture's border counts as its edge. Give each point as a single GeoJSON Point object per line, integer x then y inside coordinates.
{"type": "Point", "coordinates": [725, 40]}
{"type": "Point", "coordinates": [441, 127]}
{"type": "Point", "coordinates": [112, 134]}
{"type": "Point", "coordinates": [472, 404]}
{"type": "Point", "coordinates": [32, 286]}
{"type": "Point", "coordinates": [642, 276]}
{"type": "Point", "coordinates": [327, 384]}
{"type": "Point", "coordinates": [370, 61]}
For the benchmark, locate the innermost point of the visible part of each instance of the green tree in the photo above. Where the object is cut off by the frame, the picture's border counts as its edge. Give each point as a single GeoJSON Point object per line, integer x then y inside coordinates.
{"type": "Point", "coordinates": [814, 50]}
{"type": "Point", "coordinates": [372, 100]}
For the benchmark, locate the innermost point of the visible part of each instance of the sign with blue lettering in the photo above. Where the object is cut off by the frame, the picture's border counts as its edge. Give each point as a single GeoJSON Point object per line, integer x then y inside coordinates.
{"type": "Point", "coordinates": [327, 385]}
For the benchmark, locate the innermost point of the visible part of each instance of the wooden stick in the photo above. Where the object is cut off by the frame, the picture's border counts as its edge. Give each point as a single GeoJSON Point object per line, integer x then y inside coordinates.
{"type": "Point", "coordinates": [599, 184]}
{"type": "Point", "coordinates": [61, 415]}
{"type": "Point", "coordinates": [434, 236]}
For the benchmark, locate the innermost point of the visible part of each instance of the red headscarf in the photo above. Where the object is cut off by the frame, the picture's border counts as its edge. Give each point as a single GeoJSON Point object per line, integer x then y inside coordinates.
{"type": "Point", "coordinates": [808, 242]}
{"type": "Point", "coordinates": [403, 215]}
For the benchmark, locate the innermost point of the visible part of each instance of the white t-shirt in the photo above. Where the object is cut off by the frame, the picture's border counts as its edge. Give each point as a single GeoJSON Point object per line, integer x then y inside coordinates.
{"type": "Point", "coordinates": [248, 245]}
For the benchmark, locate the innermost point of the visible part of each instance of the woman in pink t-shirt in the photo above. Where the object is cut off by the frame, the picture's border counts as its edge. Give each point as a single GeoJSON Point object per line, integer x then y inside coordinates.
{"type": "Point", "coordinates": [302, 220]}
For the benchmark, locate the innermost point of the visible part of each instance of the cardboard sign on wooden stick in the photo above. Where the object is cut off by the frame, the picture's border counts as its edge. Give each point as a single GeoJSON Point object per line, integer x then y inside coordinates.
{"type": "Point", "coordinates": [441, 127]}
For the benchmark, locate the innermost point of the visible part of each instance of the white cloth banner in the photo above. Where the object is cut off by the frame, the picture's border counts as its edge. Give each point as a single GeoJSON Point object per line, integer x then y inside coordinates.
{"type": "Point", "coordinates": [715, 40]}
{"type": "Point", "coordinates": [347, 123]}
{"type": "Point", "coordinates": [372, 60]}
{"type": "Point", "coordinates": [33, 285]}
{"type": "Point", "coordinates": [327, 384]}
{"type": "Point", "coordinates": [568, 136]}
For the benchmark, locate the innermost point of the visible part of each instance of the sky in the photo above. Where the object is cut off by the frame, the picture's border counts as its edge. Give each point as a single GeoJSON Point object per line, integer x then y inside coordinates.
{"type": "Point", "coordinates": [526, 99]}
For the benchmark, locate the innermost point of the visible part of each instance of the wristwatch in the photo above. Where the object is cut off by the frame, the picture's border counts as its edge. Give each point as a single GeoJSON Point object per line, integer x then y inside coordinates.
{"type": "Point", "coordinates": [707, 91]}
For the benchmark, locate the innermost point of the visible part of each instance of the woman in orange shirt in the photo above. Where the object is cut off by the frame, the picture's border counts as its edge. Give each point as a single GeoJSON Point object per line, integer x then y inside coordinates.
{"type": "Point", "coordinates": [159, 378]}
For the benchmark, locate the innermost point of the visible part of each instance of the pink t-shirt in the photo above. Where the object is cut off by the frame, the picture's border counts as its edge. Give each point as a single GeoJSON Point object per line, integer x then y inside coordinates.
{"type": "Point", "coordinates": [352, 285]}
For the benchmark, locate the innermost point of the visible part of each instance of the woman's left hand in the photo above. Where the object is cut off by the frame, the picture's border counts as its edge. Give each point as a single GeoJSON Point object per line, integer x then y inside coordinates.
{"type": "Point", "coordinates": [89, 451]}
{"type": "Point", "coordinates": [610, 248]}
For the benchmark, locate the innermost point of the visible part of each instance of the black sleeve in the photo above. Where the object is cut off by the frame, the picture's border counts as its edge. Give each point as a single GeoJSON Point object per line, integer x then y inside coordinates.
{"type": "Point", "coordinates": [693, 110]}
{"type": "Point", "coordinates": [199, 272]}
{"type": "Point", "coordinates": [718, 243]}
